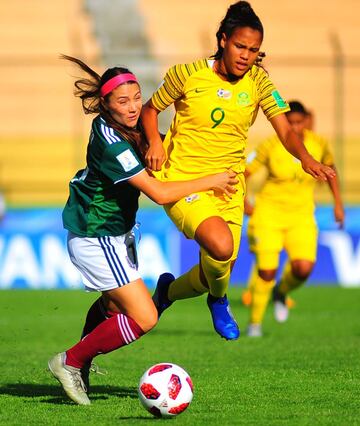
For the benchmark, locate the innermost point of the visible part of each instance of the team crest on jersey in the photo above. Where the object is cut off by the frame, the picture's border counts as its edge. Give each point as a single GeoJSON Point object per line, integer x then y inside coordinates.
{"type": "Point", "coordinates": [243, 99]}
{"type": "Point", "coordinates": [192, 197]}
{"type": "Point", "coordinates": [224, 94]}
{"type": "Point", "coordinates": [127, 160]}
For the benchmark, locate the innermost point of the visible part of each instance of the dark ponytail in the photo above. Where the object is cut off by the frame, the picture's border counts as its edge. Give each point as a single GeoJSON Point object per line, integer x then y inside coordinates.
{"type": "Point", "coordinates": [239, 15]}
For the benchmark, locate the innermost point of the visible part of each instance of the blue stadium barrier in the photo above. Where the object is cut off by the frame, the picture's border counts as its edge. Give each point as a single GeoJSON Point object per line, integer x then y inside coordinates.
{"type": "Point", "coordinates": [33, 250]}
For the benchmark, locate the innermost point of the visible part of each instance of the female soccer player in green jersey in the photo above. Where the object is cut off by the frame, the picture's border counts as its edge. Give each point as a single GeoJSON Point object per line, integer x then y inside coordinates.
{"type": "Point", "coordinates": [99, 216]}
{"type": "Point", "coordinates": [216, 101]}
{"type": "Point", "coordinates": [283, 218]}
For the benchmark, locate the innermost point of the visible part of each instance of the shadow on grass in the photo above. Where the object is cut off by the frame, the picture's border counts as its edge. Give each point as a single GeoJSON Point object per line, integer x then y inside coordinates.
{"type": "Point", "coordinates": [34, 390]}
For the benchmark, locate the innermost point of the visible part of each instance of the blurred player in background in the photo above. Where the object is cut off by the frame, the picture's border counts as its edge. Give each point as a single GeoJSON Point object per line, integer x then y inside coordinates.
{"type": "Point", "coordinates": [100, 215]}
{"type": "Point", "coordinates": [309, 120]}
{"type": "Point", "coordinates": [283, 218]}
{"type": "Point", "coordinates": [216, 101]}
{"type": "Point", "coordinates": [246, 294]}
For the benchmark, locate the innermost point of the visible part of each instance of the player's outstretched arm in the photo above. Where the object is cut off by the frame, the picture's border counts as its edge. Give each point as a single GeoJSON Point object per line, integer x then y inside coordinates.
{"type": "Point", "coordinates": [155, 155]}
{"type": "Point", "coordinates": [295, 146]}
{"type": "Point", "coordinates": [169, 192]}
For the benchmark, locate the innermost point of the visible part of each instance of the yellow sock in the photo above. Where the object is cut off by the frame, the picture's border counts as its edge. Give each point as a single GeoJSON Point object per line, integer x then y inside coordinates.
{"type": "Point", "coordinates": [187, 285]}
{"type": "Point", "coordinates": [261, 292]}
{"type": "Point", "coordinates": [288, 281]}
{"type": "Point", "coordinates": [217, 273]}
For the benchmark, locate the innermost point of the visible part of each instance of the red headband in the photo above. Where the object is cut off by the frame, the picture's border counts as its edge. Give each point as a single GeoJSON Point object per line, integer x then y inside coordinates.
{"type": "Point", "coordinates": [115, 82]}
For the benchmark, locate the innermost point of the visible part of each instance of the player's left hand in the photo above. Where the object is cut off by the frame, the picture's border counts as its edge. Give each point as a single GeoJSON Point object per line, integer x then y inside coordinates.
{"type": "Point", "coordinates": [317, 170]}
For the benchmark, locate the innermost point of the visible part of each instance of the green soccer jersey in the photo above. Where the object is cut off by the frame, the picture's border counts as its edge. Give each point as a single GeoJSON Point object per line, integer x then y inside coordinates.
{"type": "Point", "coordinates": [101, 201]}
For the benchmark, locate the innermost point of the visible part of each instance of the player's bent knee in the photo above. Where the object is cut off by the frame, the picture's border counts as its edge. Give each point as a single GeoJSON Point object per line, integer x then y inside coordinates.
{"type": "Point", "coordinates": [302, 270]}
{"type": "Point", "coordinates": [221, 250]}
{"type": "Point", "coordinates": [267, 274]}
{"type": "Point", "coordinates": [302, 274]}
{"type": "Point", "coordinates": [216, 240]}
{"type": "Point", "coordinates": [149, 320]}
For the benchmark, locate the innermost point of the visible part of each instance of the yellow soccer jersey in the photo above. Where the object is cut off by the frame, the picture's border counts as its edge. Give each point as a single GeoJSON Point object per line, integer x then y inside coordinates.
{"type": "Point", "coordinates": [287, 185]}
{"type": "Point", "coordinates": [210, 128]}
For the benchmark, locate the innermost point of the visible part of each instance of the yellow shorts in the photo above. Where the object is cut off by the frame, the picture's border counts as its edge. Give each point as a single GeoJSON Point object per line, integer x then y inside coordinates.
{"type": "Point", "coordinates": [296, 234]}
{"type": "Point", "coordinates": [189, 212]}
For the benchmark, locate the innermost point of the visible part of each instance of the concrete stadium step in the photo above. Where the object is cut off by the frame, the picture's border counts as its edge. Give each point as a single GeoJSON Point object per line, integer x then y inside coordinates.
{"type": "Point", "coordinates": [41, 119]}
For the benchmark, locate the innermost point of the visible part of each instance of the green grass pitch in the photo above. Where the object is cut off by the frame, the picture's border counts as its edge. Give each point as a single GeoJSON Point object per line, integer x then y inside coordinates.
{"type": "Point", "coordinates": [304, 372]}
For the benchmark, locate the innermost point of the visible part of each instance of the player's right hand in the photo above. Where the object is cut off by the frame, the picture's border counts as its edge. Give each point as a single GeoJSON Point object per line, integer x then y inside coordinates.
{"type": "Point", "coordinates": [317, 170]}
{"type": "Point", "coordinates": [225, 182]}
{"type": "Point", "coordinates": [155, 156]}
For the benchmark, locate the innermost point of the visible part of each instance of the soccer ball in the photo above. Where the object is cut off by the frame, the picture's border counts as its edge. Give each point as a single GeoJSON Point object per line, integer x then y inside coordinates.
{"type": "Point", "coordinates": [165, 390]}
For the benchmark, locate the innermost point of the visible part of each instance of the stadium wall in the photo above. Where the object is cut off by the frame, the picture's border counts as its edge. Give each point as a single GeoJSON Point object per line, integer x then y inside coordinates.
{"type": "Point", "coordinates": [43, 131]}
{"type": "Point", "coordinates": [33, 252]}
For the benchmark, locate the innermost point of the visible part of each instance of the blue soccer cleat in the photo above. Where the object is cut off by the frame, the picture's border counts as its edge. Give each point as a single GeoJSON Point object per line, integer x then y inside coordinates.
{"type": "Point", "coordinates": [160, 296]}
{"type": "Point", "coordinates": [223, 320]}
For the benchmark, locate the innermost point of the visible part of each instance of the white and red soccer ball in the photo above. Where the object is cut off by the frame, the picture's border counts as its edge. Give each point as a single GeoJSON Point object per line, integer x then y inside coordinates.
{"type": "Point", "coordinates": [165, 390]}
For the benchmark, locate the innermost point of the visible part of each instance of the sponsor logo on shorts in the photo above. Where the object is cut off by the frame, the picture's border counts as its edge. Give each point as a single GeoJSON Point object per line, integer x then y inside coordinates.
{"type": "Point", "coordinates": [251, 157]}
{"type": "Point", "coordinates": [191, 198]}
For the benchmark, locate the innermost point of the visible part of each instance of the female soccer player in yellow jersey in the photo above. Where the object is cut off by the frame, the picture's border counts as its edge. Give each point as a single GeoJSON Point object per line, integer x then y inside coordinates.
{"type": "Point", "coordinates": [216, 101]}
{"type": "Point", "coordinates": [283, 218]}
